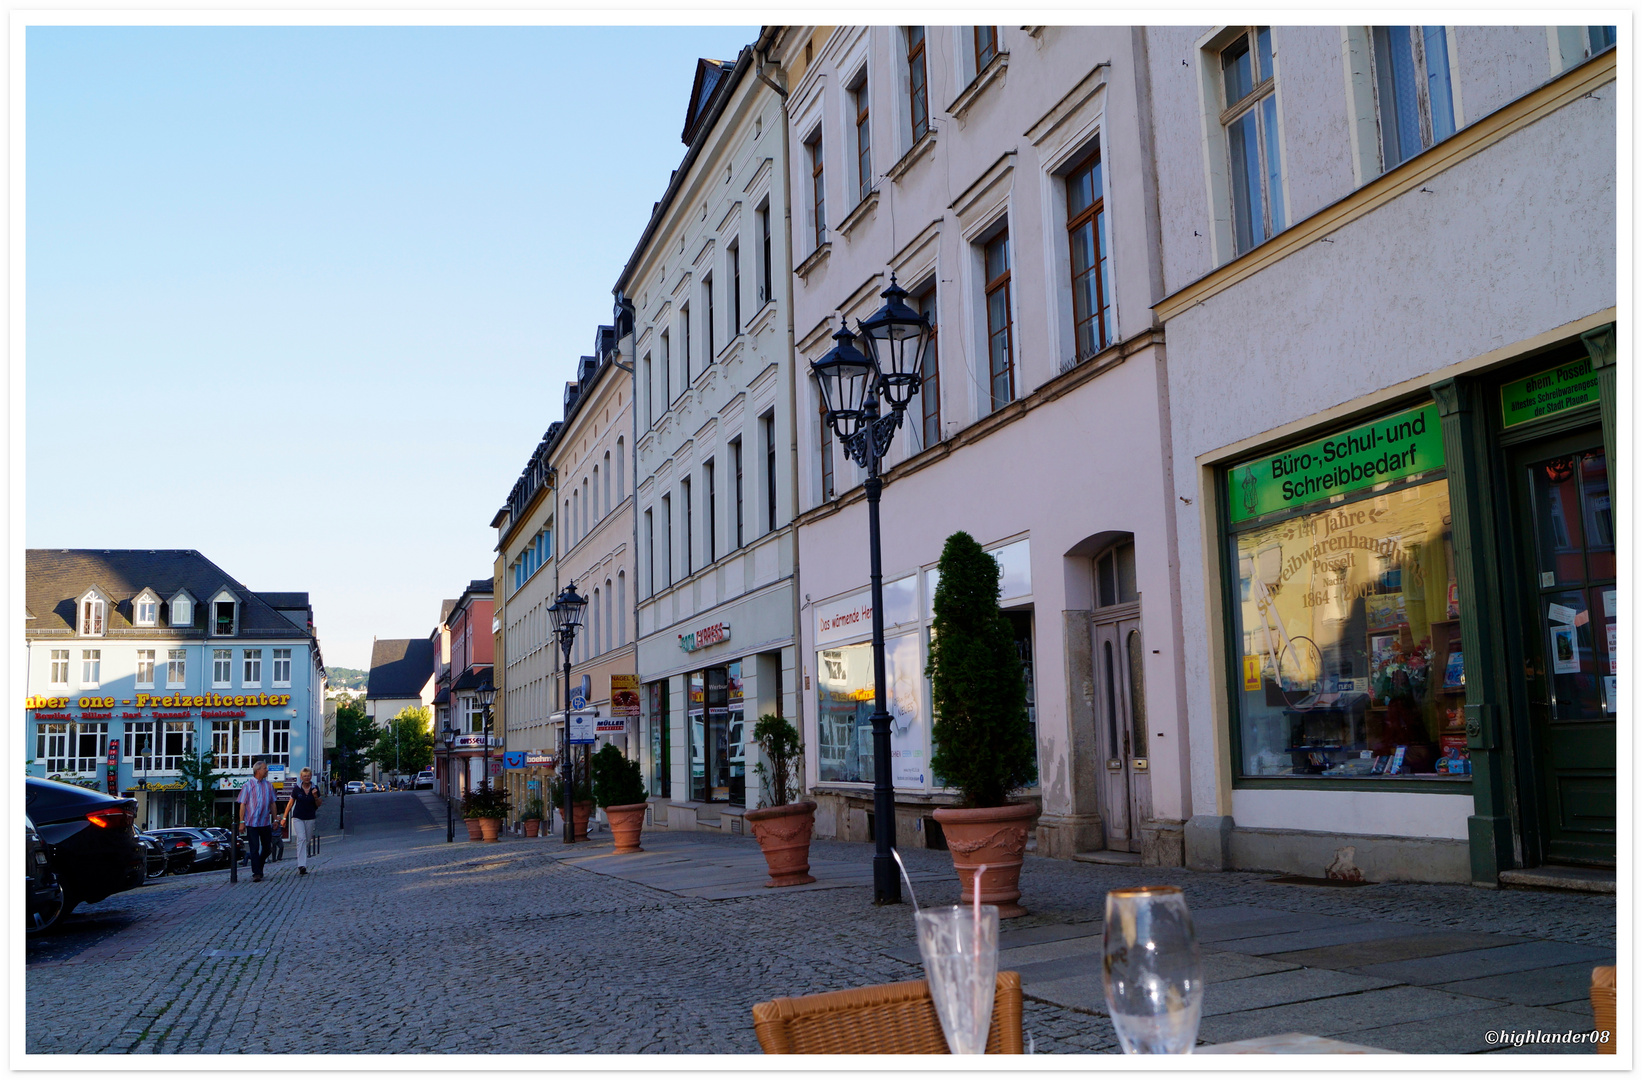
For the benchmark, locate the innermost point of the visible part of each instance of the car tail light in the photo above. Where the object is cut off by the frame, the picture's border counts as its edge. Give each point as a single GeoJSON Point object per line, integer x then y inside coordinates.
{"type": "Point", "coordinates": [117, 818]}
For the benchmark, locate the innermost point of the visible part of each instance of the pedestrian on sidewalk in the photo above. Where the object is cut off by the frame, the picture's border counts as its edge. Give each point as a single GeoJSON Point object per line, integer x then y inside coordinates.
{"type": "Point", "coordinates": [299, 816]}
{"type": "Point", "coordinates": [256, 800]}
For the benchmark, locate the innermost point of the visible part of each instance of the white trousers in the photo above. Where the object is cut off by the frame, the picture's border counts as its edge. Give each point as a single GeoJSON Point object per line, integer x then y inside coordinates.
{"type": "Point", "coordinates": [301, 830]}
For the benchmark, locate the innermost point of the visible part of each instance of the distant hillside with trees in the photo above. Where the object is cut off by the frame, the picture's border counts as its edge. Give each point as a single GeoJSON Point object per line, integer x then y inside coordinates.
{"type": "Point", "coordinates": [347, 678]}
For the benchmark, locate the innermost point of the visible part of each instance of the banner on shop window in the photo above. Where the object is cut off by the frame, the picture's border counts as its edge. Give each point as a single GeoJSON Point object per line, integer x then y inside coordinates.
{"type": "Point", "coordinates": [624, 695]}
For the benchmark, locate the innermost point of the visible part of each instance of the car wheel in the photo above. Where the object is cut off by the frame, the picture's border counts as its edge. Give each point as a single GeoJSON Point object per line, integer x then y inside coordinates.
{"type": "Point", "coordinates": [49, 916]}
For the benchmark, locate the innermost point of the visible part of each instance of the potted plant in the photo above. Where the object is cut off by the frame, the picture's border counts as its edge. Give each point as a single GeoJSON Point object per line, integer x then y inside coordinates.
{"type": "Point", "coordinates": [982, 738]}
{"type": "Point", "coordinates": [781, 824]}
{"type": "Point", "coordinates": [471, 815]}
{"type": "Point", "coordinates": [531, 816]}
{"type": "Point", "coordinates": [618, 788]}
{"type": "Point", "coordinates": [489, 807]}
{"type": "Point", "coordinates": [581, 804]}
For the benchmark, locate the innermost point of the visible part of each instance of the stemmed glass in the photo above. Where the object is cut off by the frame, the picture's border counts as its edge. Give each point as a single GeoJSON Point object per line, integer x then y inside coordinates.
{"type": "Point", "coordinates": [1153, 973]}
{"type": "Point", "coordinates": [960, 951]}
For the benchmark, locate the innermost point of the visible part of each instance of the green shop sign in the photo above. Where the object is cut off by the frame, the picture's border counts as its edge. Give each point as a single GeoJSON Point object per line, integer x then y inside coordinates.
{"type": "Point", "coordinates": [1378, 453]}
{"type": "Point", "coordinates": [1548, 392]}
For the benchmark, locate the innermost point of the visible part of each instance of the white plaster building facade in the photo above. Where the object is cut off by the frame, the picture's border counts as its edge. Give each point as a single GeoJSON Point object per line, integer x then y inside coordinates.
{"type": "Point", "coordinates": [1364, 224]}
{"type": "Point", "coordinates": [1001, 174]}
{"type": "Point", "coordinates": [711, 342]}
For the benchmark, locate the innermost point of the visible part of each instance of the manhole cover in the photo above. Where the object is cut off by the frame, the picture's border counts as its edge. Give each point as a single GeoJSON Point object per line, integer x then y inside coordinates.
{"type": "Point", "coordinates": [1319, 882]}
{"type": "Point", "coordinates": [228, 953]}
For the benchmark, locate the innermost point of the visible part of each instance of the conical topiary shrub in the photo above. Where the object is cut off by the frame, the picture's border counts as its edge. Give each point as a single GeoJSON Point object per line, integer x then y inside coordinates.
{"type": "Point", "coordinates": [983, 742]}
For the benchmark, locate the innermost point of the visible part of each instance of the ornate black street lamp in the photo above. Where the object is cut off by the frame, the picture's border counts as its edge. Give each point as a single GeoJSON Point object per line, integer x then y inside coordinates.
{"type": "Point", "coordinates": [852, 385]}
{"type": "Point", "coordinates": [486, 693]}
{"type": "Point", "coordinates": [447, 735]}
{"type": "Point", "coordinates": [566, 614]}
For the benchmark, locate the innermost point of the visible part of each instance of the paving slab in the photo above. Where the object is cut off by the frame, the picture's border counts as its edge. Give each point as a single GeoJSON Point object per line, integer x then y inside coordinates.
{"type": "Point", "coordinates": [1011, 959]}
{"type": "Point", "coordinates": [1385, 950]}
{"type": "Point", "coordinates": [1345, 933]}
{"type": "Point", "coordinates": [1009, 940]}
{"type": "Point", "coordinates": [1468, 1033]}
{"type": "Point", "coordinates": [1232, 913]}
{"type": "Point", "coordinates": [1339, 1015]}
{"type": "Point", "coordinates": [1542, 986]}
{"type": "Point", "coordinates": [1479, 963]}
{"type": "Point", "coordinates": [1077, 984]}
{"type": "Point", "coordinates": [1264, 927]}
{"type": "Point", "coordinates": [1280, 988]}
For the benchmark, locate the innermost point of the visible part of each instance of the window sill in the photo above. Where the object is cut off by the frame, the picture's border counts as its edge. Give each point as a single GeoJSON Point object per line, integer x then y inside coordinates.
{"type": "Point", "coordinates": [862, 211]}
{"type": "Point", "coordinates": [815, 259]}
{"type": "Point", "coordinates": [992, 73]}
{"type": "Point", "coordinates": [917, 153]}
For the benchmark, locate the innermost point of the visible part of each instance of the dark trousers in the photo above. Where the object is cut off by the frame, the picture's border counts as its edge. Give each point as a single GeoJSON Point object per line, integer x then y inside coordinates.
{"type": "Point", "coordinates": [259, 838]}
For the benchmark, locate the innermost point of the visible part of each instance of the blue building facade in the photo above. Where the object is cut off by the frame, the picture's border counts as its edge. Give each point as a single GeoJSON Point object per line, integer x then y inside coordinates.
{"type": "Point", "coordinates": [141, 660]}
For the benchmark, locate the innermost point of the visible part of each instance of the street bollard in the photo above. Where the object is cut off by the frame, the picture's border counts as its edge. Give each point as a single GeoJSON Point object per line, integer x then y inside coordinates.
{"type": "Point", "coordinates": [233, 857]}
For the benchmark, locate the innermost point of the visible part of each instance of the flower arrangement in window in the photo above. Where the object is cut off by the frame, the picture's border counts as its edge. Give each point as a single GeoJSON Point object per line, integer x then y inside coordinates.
{"type": "Point", "coordinates": [1402, 670]}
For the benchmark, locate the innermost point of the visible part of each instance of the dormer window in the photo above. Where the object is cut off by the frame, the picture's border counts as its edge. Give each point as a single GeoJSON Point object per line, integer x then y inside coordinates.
{"type": "Point", "coordinates": [182, 610]}
{"type": "Point", "coordinates": [224, 614]}
{"type": "Point", "coordinates": [93, 615]}
{"type": "Point", "coordinates": [145, 610]}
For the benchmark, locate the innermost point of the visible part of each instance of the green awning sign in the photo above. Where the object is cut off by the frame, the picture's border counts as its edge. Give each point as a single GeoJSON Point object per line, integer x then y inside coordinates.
{"type": "Point", "coordinates": [1548, 392]}
{"type": "Point", "coordinates": [1378, 453]}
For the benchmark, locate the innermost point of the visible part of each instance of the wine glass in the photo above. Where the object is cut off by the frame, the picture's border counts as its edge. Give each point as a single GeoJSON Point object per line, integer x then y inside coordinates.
{"type": "Point", "coordinates": [960, 951]}
{"type": "Point", "coordinates": [1153, 973]}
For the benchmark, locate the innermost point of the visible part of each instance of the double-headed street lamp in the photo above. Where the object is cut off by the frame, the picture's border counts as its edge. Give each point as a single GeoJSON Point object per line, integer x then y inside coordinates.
{"type": "Point", "coordinates": [447, 735]}
{"type": "Point", "coordinates": [852, 384]}
{"type": "Point", "coordinates": [566, 614]}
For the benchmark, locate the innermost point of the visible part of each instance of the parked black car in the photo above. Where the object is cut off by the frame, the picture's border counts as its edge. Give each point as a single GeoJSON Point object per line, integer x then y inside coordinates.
{"type": "Point", "coordinates": [210, 850]}
{"type": "Point", "coordinates": [179, 852]}
{"type": "Point", "coordinates": [45, 895]}
{"type": "Point", "coordinates": [90, 840]}
{"type": "Point", "coordinates": [156, 860]}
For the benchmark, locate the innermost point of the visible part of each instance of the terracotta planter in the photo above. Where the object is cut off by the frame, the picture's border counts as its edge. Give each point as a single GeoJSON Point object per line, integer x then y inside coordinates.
{"type": "Point", "coordinates": [783, 834]}
{"type": "Point", "coordinates": [533, 826]}
{"type": "Point", "coordinates": [581, 811]}
{"type": "Point", "coordinates": [995, 836]}
{"type": "Point", "coordinates": [474, 832]}
{"type": "Point", "coordinates": [491, 829]}
{"type": "Point", "coordinates": [626, 822]}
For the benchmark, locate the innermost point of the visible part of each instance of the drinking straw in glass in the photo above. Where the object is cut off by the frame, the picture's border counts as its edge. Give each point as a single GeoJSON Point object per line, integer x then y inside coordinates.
{"type": "Point", "coordinates": [1152, 972]}
{"type": "Point", "coordinates": [960, 951]}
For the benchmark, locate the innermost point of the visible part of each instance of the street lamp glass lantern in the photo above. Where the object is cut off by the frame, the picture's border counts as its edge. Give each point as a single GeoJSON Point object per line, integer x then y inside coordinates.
{"type": "Point", "coordinates": [448, 734]}
{"type": "Point", "coordinates": [896, 337]}
{"type": "Point", "coordinates": [485, 692]}
{"type": "Point", "coordinates": [567, 610]}
{"type": "Point", "coordinates": [845, 376]}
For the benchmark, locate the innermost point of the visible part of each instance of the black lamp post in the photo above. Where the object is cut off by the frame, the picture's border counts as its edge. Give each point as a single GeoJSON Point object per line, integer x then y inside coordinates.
{"type": "Point", "coordinates": [566, 614]}
{"type": "Point", "coordinates": [486, 693]}
{"type": "Point", "coordinates": [342, 803]}
{"type": "Point", "coordinates": [852, 384]}
{"type": "Point", "coordinates": [447, 735]}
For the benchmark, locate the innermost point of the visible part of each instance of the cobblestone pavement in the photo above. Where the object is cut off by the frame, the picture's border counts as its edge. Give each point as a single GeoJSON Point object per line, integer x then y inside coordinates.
{"type": "Point", "coordinates": [398, 942]}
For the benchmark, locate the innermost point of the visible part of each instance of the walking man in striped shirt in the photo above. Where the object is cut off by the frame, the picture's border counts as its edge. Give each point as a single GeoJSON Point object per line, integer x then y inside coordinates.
{"type": "Point", "coordinates": [256, 801]}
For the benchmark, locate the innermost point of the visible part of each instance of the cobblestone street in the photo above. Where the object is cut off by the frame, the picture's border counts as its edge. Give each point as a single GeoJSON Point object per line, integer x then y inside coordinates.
{"type": "Point", "coordinates": [398, 942]}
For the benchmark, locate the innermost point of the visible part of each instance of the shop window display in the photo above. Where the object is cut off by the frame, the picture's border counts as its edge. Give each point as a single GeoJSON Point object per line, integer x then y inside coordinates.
{"type": "Point", "coordinates": [1352, 664]}
{"type": "Point", "coordinates": [845, 702]}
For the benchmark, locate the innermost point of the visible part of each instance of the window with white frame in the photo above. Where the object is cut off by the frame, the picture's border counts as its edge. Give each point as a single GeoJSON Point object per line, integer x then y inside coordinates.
{"type": "Point", "coordinates": [278, 754]}
{"type": "Point", "coordinates": [93, 613]}
{"type": "Point", "coordinates": [222, 668]}
{"type": "Point", "coordinates": [51, 747]}
{"type": "Point", "coordinates": [473, 716]}
{"type": "Point", "coordinates": [145, 669]}
{"type": "Point", "coordinates": [88, 747]}
{"type": "Point", "coordinates": [139, 744]}
{"type": "Point", "coordinates": [177, 745]}
{"type": "Point", "coordinates": [1413, 89]}
{"type": "Point", "coordinates": [282, 667]}
{"type": "Point", "coordinates": [182, 611]}
{"type": "Point", "coordinates": [148, 611]}
{"type": "Point", "coordinates": [91, 667]}
{"type": "Point", "coordinates": [1249, 118]}
{"type": "Point", "coordinates": [176, 669]}
{"type": "Point", "coordinates": [59, 667]}
{"type": "Point", "coordinates": [227, 620]}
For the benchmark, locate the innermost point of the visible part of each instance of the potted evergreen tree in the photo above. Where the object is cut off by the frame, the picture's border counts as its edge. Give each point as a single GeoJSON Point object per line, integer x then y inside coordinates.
{"type": "Point", "coordinates": [471, 814]}
{"type": "Point", "coordinates": [618, 788]}
{"type": "Point", "coordinates": [488, 806]}
{"type": "Point", "coordinates": [782, 823]}
{"type": "Point", "coordinates": [531, 816]}
{"type": "Point", "coordinates": [982, 738]}
{"type": "Point", "coordinates": [581, 805]}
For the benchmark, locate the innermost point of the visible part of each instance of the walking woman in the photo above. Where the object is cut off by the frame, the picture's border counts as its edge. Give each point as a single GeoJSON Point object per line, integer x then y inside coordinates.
{"type": "Point", "coordinates": [299, 813]}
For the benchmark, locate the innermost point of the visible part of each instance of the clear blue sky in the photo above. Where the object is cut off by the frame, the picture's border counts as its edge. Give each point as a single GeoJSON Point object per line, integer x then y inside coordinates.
{"type": "Point", "coordinates": [304, 299]}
